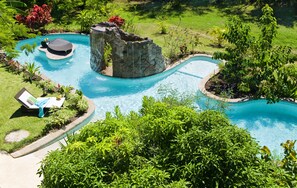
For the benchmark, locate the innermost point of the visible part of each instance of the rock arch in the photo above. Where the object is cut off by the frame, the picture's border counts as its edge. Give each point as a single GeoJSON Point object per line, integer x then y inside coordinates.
{"type": "Point", "coordinates": [132, 56]}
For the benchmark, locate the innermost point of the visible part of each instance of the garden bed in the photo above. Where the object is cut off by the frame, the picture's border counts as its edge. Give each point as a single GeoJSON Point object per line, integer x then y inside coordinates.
{"type": "Point", "coordinates": [13, 117]}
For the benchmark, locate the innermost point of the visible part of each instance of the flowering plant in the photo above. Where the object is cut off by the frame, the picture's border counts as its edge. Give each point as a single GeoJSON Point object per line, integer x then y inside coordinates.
{"type": "Point", "coordinates": [117, 20]}
{"type": "Point", "coordinates": [38, 17]}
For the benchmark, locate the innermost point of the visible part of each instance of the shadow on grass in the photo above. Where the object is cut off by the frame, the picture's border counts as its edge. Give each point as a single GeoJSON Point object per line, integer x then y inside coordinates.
{"type": "Point", "coordinates": [155, 9]}
{"type": "Point", "coordinates": [24, 112]}
{"type": "Point", "coordinates": [286, 14]}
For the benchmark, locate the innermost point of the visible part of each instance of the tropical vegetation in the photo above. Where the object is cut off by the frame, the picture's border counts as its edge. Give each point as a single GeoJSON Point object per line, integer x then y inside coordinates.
{"type": "Point", "coordinates": [14, 117]}
{"type": "Point", "coordinates": [166, 145]}
{"type": "Point", "coordinates": [254, 66]}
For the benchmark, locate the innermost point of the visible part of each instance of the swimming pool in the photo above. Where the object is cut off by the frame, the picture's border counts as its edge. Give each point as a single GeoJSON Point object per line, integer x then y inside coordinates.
{"type": "Point", "coordinates": [269, 124]}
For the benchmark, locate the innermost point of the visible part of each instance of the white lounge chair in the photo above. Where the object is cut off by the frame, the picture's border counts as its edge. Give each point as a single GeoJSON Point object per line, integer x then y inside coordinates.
{"type": "Point", "coordinates": [28, 100]}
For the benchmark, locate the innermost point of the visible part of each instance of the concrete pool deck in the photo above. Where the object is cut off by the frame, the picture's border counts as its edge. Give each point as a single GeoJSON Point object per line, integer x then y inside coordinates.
{"type": "Point", "coordinates": [21, 172]}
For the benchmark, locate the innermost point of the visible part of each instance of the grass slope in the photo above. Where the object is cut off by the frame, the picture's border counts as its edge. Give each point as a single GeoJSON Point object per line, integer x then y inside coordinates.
{"type": "Point", "coordinates": [201, 18]}
{"type": "Point", "coordinates": [11, 116]}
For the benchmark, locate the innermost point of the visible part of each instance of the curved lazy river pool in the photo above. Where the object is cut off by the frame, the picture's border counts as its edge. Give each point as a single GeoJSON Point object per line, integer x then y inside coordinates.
{"type": "Point", "coordinates": [269, 124]}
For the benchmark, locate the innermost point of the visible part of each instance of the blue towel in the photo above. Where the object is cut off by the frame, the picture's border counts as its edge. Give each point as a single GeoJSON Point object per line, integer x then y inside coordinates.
{"type": "Point", "coordinates": [41, 104]}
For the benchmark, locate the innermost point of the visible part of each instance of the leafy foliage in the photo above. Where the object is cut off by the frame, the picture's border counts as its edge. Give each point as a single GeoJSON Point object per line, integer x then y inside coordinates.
{"type": "Point", "coordinates": [87, 18]}
{"type": "Point", "coordinates": [13, 66]}
{"type": "Point", "coordinates": [173, 97]}
{"type": "Point", "coordinates": [254, 66]}
{"type": "Point", "coordinates": [74, 106]}
{"type": "Point", "coordinates": [27, 48]}
{"type": "Point", "coordinates": [31, 71]}
{"type": "Point", "coordinates": [117, 20]}
{"type": "Point", "coordinates": [107, 54]}
{"type": "Point", "coordinates": [65, 10]}
{"type": "Point", "coordinates": [181, 42]}
{"type": "Point", "coordinates": [217, 33]}
{"type": "Point", "coordinates": [289, 162]}
{"type": "Point", "coordinates": [76, 101]}
{"type": "Point", "coordinates": [10, 31]}
{"type": "Point", "coordinates": [58, 118]}
{"type": "Point", "coordinates": [163, 146]}
{"type": "Point", "coordinates": [47, 86]}
{"type": "Point", "coordinates": [37, 17]}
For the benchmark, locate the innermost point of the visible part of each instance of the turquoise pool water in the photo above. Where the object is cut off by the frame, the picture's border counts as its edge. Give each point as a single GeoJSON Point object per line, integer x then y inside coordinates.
{"type": "Point", "coordinates": [269, 124]}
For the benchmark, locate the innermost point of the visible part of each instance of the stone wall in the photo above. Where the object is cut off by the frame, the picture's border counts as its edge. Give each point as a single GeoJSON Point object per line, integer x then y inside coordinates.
{"type": "Point", "coordinates": [132, 56]}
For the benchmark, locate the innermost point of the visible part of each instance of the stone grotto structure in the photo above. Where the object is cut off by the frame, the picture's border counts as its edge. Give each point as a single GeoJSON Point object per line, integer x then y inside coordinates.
{"type": "Point", "coordinates": [132, 56]}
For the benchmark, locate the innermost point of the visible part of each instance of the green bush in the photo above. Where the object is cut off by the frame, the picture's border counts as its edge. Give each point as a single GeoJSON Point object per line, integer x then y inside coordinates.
{"type": "Point", "coordinates": [74, 105]}
{"type": "Point", "coordinates": [87, 18]}
{"type": "Point", "coordinates": [77, 102]}
{"type": "Point", "coordinates": [255, 67]}
{"type": "Point", "coordinates": [47, 86]}
{"type": "Point", "coordinates": [82, 106]}
{"type": "Point", "coordinates": [58, 118]}
{"type": "Point", "coordinates": [163, 146]}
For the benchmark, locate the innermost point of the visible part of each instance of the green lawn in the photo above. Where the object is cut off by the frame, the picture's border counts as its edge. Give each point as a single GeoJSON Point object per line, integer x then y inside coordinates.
{"type": "Point", "coordinates": [11, 116]}
{"type": "Point", "coordinates": [199, 17]}
{"type": "Point", "coordinates": [202, 18]}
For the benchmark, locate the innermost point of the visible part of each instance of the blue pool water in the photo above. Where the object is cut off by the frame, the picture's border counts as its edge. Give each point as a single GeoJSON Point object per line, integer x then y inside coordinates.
{"type": "Point", "coordinates": [269, 124]}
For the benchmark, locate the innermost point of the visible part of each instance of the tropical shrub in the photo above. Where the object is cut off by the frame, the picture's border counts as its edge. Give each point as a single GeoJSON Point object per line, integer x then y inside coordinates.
{"type": "Point", "coordinates": [289, 162]}
{"type": "Point", "coordinates": [162, 146]}
{"type": "Point", "coordinates": [10, 31]}
{"type": "Point", "coordinates": [254, 66]}
{"type": "Point", "coordinates": [65, 10]}
{"type": "Point", "coordinates": [66, 91]}
{"type": "Point", "coordinates": [13, 66]}
{"type": "Point", "coordinates": [58, 118]}
{"type": "Point", "coordinates": [86, 18]}
{"type": "Point", "coordinates": [181, 42]}
{"type": "Point", "coordinates": [74, 106]}
{"type": "Point", "coordinates": [217, 33]}
{"type": "Point", "coordinates": [107, 54]}
{"type": "Point", "coordinates": [27, 48]}
{"type": "Point", "coordinates": [77, 102]}
{"type": "Point", "coordinates": [31, 71]}
{"type": "Point", "coordinates": [162, 25]}
{"type": "Point", "coordinates": [47, 86]}
{"type": "Point", "coordinates": [37, 17]}
{"type": "Point", "coordinates": [82, 106]}
{"type": "Point", "coordinates": [117, 20]}
{"type": "Point", "coordinates": [129, 25]}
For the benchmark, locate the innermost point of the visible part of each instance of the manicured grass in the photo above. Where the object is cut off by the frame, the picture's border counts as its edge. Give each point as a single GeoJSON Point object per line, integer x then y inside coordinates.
{"type": "Point", "coordinates": [11, 116]}
{"type": "Point", "coordinates": [201, 19]}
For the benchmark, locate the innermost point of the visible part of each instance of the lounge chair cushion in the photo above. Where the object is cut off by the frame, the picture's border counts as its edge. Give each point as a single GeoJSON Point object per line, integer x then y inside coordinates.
{"type": "Point", "coordinates": [31, 100]}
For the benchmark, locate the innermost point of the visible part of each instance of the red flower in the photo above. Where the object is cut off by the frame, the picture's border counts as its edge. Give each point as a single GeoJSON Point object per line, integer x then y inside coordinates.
{"type": "Point", "coordinates": [117, 20]}
{"type": "Point", "coordinates": [37, 17]}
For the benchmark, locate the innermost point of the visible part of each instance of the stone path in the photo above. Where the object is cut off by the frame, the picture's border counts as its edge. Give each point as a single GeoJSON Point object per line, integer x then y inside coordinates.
{"type": "Point", "coordinates": [16, 136]}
